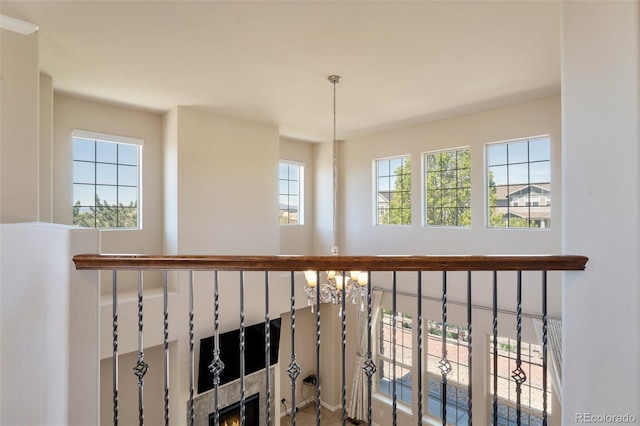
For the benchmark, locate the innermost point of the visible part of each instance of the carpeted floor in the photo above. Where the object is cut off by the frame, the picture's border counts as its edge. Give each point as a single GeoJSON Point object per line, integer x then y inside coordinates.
{"type": "Point", "coordinates": [307, 417]}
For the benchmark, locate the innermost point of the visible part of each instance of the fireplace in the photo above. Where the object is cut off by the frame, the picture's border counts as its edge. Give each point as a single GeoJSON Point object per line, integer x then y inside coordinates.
{"type": "Point", "coordinates": [230, 416]}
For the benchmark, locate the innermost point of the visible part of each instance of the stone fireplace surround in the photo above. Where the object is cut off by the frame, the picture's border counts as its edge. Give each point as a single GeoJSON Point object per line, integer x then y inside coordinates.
{"type": "Point", "coordinates": [229, 393]}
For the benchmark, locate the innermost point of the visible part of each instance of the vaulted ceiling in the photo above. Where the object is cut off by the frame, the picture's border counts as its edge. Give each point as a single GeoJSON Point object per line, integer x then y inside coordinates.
{"type": "Point", "coordinates": [402, 62]}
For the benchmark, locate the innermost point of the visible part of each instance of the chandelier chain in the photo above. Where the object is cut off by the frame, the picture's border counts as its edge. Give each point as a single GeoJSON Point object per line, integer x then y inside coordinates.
{"type": "Point", "coordinates": [334, 247]}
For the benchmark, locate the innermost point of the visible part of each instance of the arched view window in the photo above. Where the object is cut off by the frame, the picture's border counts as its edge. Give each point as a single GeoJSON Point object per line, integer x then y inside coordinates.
{"type": "Point", "coordinates": [105, 182]}
{"type": "Point", "coordinates": [393, 190]}
{"type": "Point", "coordinates": [519, 184]}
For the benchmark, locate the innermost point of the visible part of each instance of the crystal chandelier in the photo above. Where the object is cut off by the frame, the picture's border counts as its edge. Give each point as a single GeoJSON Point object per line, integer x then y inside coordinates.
{"type": "Point", "coordinates": [335, 284]}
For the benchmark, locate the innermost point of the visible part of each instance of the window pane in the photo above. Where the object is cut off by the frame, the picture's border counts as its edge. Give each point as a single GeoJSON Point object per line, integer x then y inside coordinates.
{"type": "Point", "coordinates": [283, 187]}
{"type": "Point", "coordinates": [128, 175]}
{"type": "Point", "coordinates": [294, 187]}
{"type": "Point", "coordinates": [83, 149]}
{"type": "Point", "coordinates": [290, 193]}
{"type": "Point", "coordinates": [85, 195]}
{"type": "Point", "coordinates": [518, 174]}
{"type": "Point", "coordinates": [107, 217]}
{"type": "Point", "coordinates": [394, 165]}
{"type": "Point", "coordinates": [108, 195]}
{"type": "Point", "coordinates": [383, 168]}
{"type": "Point", "coordinates": [497, 154]}
{"type": "Point", "coordinates": [293, 172]}
{"type": "Point", "coordinates": [84, 216]}
{"type": "Point", "coordinates": [283, 171]}
{"type": "Point", "coordinates": [518, 152]}
{"type": "Point", "coordinates": [106, 174]}
{"type": "Point", "coordinates": [384, 184]}
{"type": "Point", "coordinates": [127, 217]}
{"type": "Point", "coordinates": [539, 150]}
{"type": "Point", "coordinates": [127, 196]}
{"type": "Point", "coordinates": [84, 172]}
{"type": "Point", "coordinates": [106, 152]}
{"type": "Point", "coordinates": [128, 154]}
{"type": "Point", "coordinates": [444, 186]}
{"type": "Point", "coordinates": [540, 172]}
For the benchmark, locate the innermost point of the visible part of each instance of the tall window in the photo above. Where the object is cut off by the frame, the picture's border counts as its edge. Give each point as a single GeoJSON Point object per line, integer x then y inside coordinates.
{"type": "Point", "coordinates": [519, 181]}
{"type": "Point", "coordinates": [448, 188]}
{"type": "Point", "coordinates": [106, 172]}
{"type": "Point", "coordinates": [531, 390]}
{"type": "Point", "coordinates": [457, 347]}
{"type": "Point", "coordinates": [404, 348]}
{"type": "Point", "coordinates": [393, 191]}
{"type": "Point", "coordinates": [290, 193]}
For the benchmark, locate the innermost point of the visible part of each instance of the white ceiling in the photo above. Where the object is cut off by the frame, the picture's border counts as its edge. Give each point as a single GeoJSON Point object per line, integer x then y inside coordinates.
{"type": "Point", "coordinates": [401, 62]}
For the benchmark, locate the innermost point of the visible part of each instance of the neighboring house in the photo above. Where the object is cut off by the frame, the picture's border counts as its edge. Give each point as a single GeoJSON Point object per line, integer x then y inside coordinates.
{"type": "Point", "coordinates": [525, 201]}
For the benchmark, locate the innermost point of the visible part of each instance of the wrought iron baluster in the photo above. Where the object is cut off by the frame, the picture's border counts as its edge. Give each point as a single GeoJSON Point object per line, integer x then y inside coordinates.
{"type": "Point", "coordinates": [495, 349]}
{"type": "Point", "coordinates": [419, 379]}
{"type": "Point", "coordinates": [545, 337]}
{"type": "Point", "coordinates": [141, 366]}
{"type": "Point", "coordinates": [518, 374]}
{"type": "Point", "coordinates": [445, 365]}
{"type": "Point", "coordinates": [369, 365]}
{"type": "Point", "coordinates": [242, 349]}
{"type": "Point", "coordinates": [394, 343]}
{"type": "Point", "coordinates": [267, 350]}
{"type": "Point", "coordinates": [318, 412]}
{"type": "Point", "coordinates": [343, 315]}
{"type": "Point", "coordinates": [191, 363]}
{"type": "Point", "coordinates": [294, 368]}
{"type": "Point", "coordinates": [469, 350]}
{"type": "Point", "coordinates": [165, 294]}
{"type": "Point", "coordinates": [216, 365]}
{"type": "Point", "coordinates": [114, 291]}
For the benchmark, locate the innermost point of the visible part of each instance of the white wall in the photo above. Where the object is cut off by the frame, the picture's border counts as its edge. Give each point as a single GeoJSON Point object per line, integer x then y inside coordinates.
{"type": "Point", "coordinates": [601, 168]}
{"type": "Point", "coordinates": [18, 127]}
{"type": "Point", "coordinates": [45, 150]}
{"type": "Point", "coordinates": [49, 318]}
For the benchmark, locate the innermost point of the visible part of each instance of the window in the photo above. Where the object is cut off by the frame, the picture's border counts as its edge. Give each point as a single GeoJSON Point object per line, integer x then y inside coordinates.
{"type": "Point", "coordinates": [106, 172]}
{"type": "Point", "coordinates": [404, 348]}
{"type": "Point", "coordinates": [393, 191]}
{"type": "Point", "coordinates": [448, 188]}
{"type": "Point", "coordinates": [457, 347]}
{"type": "Point", "coordinates": [531, 390]}
{"type": "Point", "coordinates": [290, 193]}
{"type": "Point", "coordinates": [519, 172]}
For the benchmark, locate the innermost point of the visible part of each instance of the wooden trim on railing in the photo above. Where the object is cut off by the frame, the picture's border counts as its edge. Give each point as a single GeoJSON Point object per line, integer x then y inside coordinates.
{"type": "Point", "coordinates": [338, 263]}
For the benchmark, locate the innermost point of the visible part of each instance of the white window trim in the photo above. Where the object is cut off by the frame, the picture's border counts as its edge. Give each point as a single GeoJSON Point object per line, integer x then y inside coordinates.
{"type": "Point", "coordinates": [374, 197]}
{"type": "Point", "coordinates": [106, 137]}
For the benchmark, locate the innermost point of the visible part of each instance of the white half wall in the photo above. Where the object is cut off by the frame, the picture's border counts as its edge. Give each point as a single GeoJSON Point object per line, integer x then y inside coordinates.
{"type": "Point", "coordinates": [49, 326]}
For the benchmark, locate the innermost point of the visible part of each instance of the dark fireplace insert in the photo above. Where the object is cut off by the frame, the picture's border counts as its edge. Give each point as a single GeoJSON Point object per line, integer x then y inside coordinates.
{"type": "Point", "coordinates": [230, 416]}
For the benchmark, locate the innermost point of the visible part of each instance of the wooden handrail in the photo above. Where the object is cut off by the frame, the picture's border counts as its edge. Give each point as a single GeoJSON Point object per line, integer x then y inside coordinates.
{"type": "Point", "coordinates": [337, 263]}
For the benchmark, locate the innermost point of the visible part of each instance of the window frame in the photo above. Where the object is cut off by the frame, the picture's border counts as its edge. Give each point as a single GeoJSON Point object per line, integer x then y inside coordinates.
{"type": "Point", "coordinates": [117, 140]}
{"type": "Point", "coordinates": [376, 193]}
{"type": "Point", "coordinates": [487, 187]}
{"type": "Point", "coordinates": [425, 172]}
{"type": "Point", "coordinates": [380, 357]}
{"type": "Point", "coordinates": [301, 167]}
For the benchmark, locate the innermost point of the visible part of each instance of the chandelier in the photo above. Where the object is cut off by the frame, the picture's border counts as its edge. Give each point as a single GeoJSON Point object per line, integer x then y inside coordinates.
{"type": "Point", "coordinates": [335, 284]}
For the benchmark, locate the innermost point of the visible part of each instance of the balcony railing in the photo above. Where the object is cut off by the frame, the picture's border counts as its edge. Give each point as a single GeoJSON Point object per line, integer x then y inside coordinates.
{"type": "Point", "coordinates": [372, 265]}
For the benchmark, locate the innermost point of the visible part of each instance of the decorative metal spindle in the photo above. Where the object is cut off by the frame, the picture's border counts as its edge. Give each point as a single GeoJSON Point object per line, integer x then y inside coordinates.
{"type": "Point", "coordinates": [191, 363]}
{"type": "Point", "coordinates": [165, 294]}
{"type": "Point", "coordinates": [518, 374]}
{"type": "Point", "coordinates": [469, 350]}
{"type": "Point", "coordinates": [369, 365]}
{"type": "Point", "coordinates": [545, 419]}
{"type": "Point", "coordinates": [216, 365]}
{"type": "Point", "coordinates": [393, 339]}
{"type": "Point", "coordinates": [495, 348]}
{"type": "Point", "coordinates": [419, 307]}
{"type": "Point", "coordinates": [344, 349]}
{"type": "Point", "coordinates": [294, 368]}
{"type": "Point", "coordinates": [267, 349]}
{"type": "Point", "coordinates": [445, 366]}
{"type": "Point", "coordinates": [318, 405]}
{"type": "Point", "coordinates": [114, 291]}
{"type": "Point", "coordinates": [141, 366]}
{"type": "Point", "coordinates": [242, 349]}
